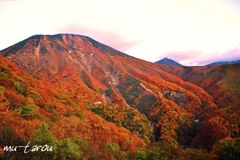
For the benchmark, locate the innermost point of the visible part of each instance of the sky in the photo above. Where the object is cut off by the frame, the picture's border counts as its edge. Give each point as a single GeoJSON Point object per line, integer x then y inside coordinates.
{"type": "Point", "coordinates": [192, 32]}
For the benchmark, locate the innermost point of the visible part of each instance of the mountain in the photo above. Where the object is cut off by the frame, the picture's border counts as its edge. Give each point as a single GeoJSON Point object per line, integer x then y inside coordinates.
{"type": "Point", "coordinates": [33, 111]}
{"type": "Point", "coordinates": [81, 67]}
{"type": "Point", "coordinates": [168, 61]}
{"type": "Point", "coordinates": [222, 82]}
{"type": "Point", "coordinates": [223, 62]}
{"type": "Point", "coordinates": [140, 97]}
{"type": "Point", "coordinates": [217, 80]}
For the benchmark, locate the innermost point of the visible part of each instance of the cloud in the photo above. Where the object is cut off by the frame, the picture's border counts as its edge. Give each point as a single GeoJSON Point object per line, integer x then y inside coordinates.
{"type": "Point", "coordinates": [178, 56]}
{"type": "Point", "coordinates": [143, 29]}
{"type": "Point", "coordinates": [195, 58]}
{"type": "Point", "coordinates": [109, 38]}
{"type": "Point", "coordinates": [230, 55]}
{"type": "Point", "coordinates": [184, 57]}
{"type": "Point", "coordinates": [6, 3]}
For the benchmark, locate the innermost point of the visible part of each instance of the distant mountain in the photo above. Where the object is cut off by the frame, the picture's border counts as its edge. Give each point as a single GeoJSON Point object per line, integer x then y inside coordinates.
{"type": "Point", "coordinates": [168, 61]}
{"type": "Point", "coordinates": [223, 62]}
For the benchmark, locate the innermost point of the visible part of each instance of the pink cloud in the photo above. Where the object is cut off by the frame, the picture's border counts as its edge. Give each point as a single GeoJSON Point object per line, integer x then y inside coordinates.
{"type": "Point", "coordinates": [230, 55]}
{"type": "Point", "coordinates": [178, 56]}
{"type": "Point", "coordinates": [185, 57]}
{"type": "Point", "coordinates": [109, 38]}
{"type": "Point", "coordinates": [191, 58]}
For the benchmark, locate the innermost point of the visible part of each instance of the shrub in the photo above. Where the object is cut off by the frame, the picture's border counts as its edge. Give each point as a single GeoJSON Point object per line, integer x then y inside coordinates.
{"type": "Point", "coordinates": [141, 154]}
{"type": "Point", "coordinates": [100, 91]}
{"type": "Point", "coordinates": [3, 75]}
{"type": "Point", "coordinates": [20, 87]}
{"type": "Point", "coordinates": [44, 137]}
{"type": "Point", "coordinates": [63, 149]}
{"type": "Point", "coordinates": [34, 95]}
{"type": "Point", "coordinates": [159, 151]}
{"type": "Point", "coordinates": [86, 148]}
{"type": "Point", "coordinates": [195, 154]}
{"type": "Point", "coordinates": [8, 136]}
{"type": "Point", "coordinates": [2, 90]}
{"type": "Point", "coordinates": [115, 151]}
{"type": "Point", "coordinates": [27, 109]}
{"type": "Point", "coordinates": [127, 117]}
{"type": "Point", "coordinates": [68, 149]}
{"type": "Point", "coordinates": [229, 150]}
{"type": "Point", "coordinates": [63, 98]}
{"type": "Point", "coordinates": [98, 111]}
{"type": "Point", "coordinates": [4, 72]}
{"type": "Point", "coordinates": [4, 69]}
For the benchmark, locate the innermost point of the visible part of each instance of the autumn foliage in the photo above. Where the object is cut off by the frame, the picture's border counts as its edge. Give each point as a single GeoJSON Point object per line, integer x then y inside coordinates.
{"type": "Point", "coordinates": [88, 94]}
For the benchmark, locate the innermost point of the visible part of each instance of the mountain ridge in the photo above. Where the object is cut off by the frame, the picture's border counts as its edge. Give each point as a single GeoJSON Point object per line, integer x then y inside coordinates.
{"type": "Point", "coordinates": [61, 37]}
{"type": "Point", "coordinates": [89, 72]}
{"type": "Point", "coordinates": [223, 63]}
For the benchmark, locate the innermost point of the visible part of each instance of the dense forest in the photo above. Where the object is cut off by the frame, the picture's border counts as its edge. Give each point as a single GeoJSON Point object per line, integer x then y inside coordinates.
{"type": "Point", "coordinates": [90, 101]}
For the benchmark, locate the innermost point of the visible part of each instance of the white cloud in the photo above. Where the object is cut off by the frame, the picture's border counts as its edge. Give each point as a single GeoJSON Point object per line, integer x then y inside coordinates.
{"type": "Point", "coordinates": [159, 26]}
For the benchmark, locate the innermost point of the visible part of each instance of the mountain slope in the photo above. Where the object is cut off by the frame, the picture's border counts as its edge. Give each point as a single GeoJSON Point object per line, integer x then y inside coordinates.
{"type": "Point", "coordinates": [92, 73]}
{"type": "Point", "coordinates": [168, 61]}
{"type": "Point", "coordinates": [217, 80]}
{"type": "Point", "coordinates": [222, 82]}
{"type": "Point", "coordinates": [27, 106]}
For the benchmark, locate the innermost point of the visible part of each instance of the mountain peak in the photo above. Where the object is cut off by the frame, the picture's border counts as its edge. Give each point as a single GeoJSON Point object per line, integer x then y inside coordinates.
{"type": "Point", "coordinates": [59, 43]}
{"type": "Point", "coordinates": [168, 61]}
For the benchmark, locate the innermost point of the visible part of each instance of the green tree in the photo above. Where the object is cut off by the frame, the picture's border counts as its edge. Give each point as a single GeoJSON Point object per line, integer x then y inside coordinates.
{"type": "Point", "coordinates": [68, 149]}
{"type": "Point", "coordinates": [229, 150]}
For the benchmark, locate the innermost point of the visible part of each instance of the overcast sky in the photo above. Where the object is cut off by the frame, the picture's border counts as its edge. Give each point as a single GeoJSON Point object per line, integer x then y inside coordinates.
{"type": "Point", "coordinates": [193, 32]}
